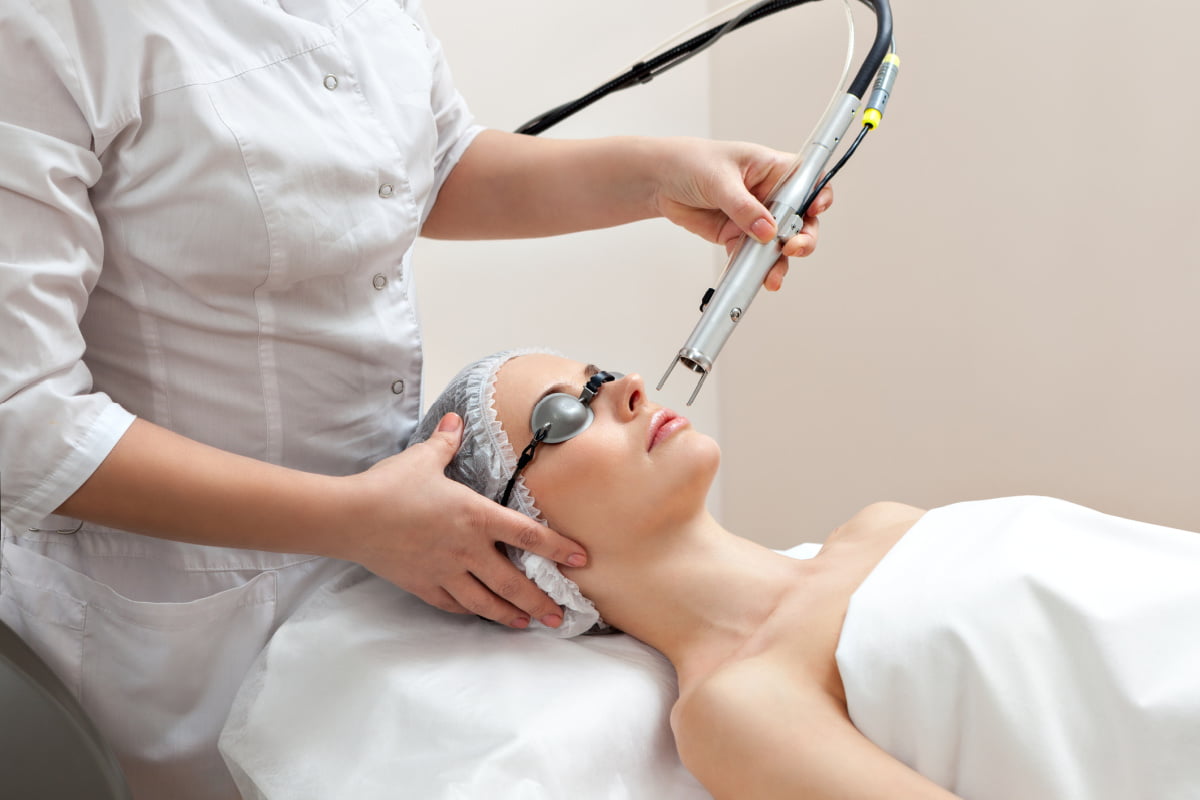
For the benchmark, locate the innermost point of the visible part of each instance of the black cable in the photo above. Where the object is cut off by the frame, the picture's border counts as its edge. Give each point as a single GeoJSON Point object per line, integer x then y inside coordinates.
{"type": "Point", "coordinates": [646, 71]}
{"type": "Point", "coordinates": [717, 33]}
{"type": "Point", "coordinates": [829, 175]}
{"type": "Point", "coordinates": [879, 48]}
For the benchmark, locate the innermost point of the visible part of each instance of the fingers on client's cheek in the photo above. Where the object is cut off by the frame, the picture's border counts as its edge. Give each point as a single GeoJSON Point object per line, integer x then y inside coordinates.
{"type": "Point", "coordinates": [525, 600]}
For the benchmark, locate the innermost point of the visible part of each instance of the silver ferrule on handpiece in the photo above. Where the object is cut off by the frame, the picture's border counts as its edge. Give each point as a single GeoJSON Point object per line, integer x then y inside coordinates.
{"type": "Point", "coordinates": [752, 260]}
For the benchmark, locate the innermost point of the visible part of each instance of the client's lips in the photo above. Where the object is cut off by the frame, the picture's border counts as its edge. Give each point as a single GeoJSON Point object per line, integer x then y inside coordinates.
{"type": "Point", "coordinates": [664, 423]}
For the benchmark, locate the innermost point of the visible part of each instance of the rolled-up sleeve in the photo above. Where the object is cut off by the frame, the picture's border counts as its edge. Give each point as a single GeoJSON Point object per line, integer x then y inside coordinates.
{"type": "Point", "coordinates": [54, 430]}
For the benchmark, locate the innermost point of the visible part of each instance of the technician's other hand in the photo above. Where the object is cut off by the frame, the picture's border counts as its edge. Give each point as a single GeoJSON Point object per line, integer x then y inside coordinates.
{"type": "Point", "coordinates": [437, 539]}
{"type": "Point", "coordinates": [716, 189]}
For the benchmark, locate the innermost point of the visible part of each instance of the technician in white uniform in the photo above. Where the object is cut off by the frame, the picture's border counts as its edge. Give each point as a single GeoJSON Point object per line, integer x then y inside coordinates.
{"type": "Point", "coordinates": [209, 355]}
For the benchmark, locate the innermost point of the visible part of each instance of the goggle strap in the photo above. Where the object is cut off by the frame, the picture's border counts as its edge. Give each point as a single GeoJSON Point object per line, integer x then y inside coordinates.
{"type": "Point", "coordinates": [523, 461]}
{"type": "Point", "coordinates": [593, 386]}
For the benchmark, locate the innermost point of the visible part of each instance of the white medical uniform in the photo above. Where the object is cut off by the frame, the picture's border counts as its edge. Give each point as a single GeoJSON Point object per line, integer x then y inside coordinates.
{"type": "Point", "coordinates": [219, 199]}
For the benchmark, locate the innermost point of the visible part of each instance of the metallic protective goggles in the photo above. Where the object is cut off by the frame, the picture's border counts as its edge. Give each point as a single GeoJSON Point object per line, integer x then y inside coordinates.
{"type": "Point", "coordinates": [558, 417]}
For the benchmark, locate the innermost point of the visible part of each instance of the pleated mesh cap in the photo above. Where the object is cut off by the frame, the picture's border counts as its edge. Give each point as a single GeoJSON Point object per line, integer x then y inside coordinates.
{"type": "Point", "coordinates": [485, 461]}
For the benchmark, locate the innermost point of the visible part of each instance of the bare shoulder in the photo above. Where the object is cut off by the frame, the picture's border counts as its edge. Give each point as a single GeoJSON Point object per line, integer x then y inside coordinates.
{"type": "Point", "coordinates": [884, 519]}
{"type": "Point", "coordinates": [755, 730]}
{"type": "Point", "coordinates": [737, 687]}
{"type": "Point", "coordinates": [886, 512]}
{"type": "Point", "coordinates": [743, 728]}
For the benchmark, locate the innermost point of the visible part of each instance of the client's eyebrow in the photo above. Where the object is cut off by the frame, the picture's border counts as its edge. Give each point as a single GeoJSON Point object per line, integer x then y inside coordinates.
{"type": "Point", "coordinates": [566, 388]}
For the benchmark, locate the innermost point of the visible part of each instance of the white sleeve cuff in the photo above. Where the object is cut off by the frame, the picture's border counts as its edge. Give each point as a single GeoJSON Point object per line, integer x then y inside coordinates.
{"type": "Point", "coordinates": [80, 461]}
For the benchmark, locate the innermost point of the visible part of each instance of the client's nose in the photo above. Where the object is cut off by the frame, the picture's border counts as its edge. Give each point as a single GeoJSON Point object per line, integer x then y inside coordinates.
{"type": "Point", "coordinates": [631, 393]}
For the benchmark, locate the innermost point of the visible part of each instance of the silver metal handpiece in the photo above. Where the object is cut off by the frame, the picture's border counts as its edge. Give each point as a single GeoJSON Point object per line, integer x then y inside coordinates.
{"type": "Point", "coordinates": [724, 307]}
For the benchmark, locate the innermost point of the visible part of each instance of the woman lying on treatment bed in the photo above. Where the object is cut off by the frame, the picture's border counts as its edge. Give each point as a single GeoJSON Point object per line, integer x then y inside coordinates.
{"type": "Point", "coordinates": [1020, 647]}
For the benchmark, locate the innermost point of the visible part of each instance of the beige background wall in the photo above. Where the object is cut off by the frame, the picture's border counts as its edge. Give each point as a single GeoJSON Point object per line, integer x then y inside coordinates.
{"type": "Point", "coordinates": [1003, 301]}
{"type": "Point", "coordinates": [1005, 297]}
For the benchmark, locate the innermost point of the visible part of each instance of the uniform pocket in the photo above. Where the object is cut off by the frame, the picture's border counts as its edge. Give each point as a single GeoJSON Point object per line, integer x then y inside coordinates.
{"type": "Point", "coordinates": [158, 679]}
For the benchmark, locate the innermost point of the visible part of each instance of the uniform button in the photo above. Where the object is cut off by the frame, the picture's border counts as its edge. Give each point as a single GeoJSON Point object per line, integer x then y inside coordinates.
{"type": "Point", "coordinates": [330, 82]}
{"type": "Point", "coordinates": [379, 281]}
{"type": "Point", "coordinates": [398, 386]}
{"type": "Point", "coordinates": [385, 191]}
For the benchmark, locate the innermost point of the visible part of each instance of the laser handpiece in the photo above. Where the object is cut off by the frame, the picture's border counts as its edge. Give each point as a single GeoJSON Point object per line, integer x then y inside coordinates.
{"type": "Point", "coordinates": [722, 308]}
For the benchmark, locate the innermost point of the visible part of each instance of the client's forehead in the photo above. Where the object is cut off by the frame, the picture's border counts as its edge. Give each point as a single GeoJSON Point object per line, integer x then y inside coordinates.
{"type": "Point", "coordinates": [522, 380]}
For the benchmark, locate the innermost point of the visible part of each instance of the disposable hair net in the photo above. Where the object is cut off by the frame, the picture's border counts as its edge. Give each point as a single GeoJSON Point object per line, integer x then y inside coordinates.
{"type": "Point", "coordinates": [485, 461]}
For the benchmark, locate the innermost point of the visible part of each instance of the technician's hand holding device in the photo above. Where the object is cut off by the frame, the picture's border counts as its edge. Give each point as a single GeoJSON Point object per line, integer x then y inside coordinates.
{"type": "Point", "coordinates": [722, 308]}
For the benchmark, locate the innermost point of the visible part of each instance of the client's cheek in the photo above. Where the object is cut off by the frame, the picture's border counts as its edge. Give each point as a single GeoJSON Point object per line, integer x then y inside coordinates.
{"type": "Point", "coordinates": [570, 490]}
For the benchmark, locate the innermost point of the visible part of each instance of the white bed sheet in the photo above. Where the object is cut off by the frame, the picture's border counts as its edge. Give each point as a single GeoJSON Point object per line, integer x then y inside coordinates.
{"type": "Point", "coordinates": [369, 693]}
{"type": "Point", "coordinates": [1026, 647]}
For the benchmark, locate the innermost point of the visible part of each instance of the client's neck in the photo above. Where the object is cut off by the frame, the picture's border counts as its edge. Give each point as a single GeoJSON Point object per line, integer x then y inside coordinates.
{"type": "Point", "coordinates": [696, 592]}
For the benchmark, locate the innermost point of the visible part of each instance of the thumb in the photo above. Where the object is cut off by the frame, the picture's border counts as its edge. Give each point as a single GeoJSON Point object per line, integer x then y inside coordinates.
{"type": "Point", "coordinates": [750, 215]}
{"type": "Point", "coordinates": [448, 435]}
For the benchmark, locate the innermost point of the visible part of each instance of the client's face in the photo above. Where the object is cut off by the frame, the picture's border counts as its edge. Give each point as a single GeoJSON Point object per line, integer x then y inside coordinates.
{"type": "Point", "coordinates": [637, 463]}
